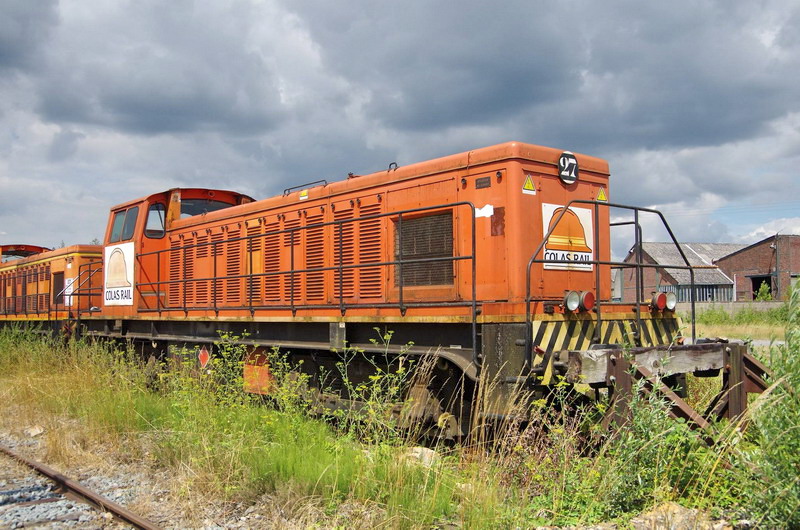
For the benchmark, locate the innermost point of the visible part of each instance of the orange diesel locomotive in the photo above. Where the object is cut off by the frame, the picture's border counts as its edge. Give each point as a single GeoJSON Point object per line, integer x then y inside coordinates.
{"type": "Point", "coordinates": [496, 259]}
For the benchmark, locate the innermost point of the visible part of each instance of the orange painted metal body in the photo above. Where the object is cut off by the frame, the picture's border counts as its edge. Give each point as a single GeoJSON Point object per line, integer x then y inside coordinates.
{"type": "Point", "coordinates": [329, 252]}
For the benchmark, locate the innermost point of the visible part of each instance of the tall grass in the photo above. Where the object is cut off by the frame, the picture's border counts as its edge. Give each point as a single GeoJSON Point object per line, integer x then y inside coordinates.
{"type": "Point", "coordinates": [777, 418]}
{"type": "Point", "coordinates": [776, 316]}
{"type": "Point", "coordinates": [558, 468]}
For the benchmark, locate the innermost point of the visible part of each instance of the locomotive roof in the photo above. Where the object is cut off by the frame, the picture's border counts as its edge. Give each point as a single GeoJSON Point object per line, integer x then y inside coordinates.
{"type": "Point", "coordinates": [48, 254]}
{"type": "Point", "coordinates": [170, 190]}
{"type": "Point", "coordinates": [466, 160]}
{"type": "Point", "coordinates": [21, 250]}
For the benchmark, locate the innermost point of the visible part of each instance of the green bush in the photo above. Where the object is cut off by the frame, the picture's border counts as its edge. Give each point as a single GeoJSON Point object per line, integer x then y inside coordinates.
{"type": "Point", "coordinates": [777, 456]}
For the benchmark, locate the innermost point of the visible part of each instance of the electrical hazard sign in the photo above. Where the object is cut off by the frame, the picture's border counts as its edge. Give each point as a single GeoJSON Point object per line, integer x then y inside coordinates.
{"type": "Point", "coordinates": [203, 356]}
{"type": "Point", "coordinates": [528, 188]}
{"type": "Point", "coordinates": [601, 195]}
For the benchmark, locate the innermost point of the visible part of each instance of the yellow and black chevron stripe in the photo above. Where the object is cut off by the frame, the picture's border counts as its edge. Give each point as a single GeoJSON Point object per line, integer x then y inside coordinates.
{"type": "Point", "coordinates": [578, 333]}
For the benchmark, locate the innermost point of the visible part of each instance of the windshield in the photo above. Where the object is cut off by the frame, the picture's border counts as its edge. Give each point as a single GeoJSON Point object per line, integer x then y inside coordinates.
{"type": "Point", "coordinates": [191, 207]}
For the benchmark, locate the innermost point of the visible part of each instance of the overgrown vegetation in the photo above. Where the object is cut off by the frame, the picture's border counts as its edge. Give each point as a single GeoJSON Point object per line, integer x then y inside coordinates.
{"type": "Point", "coordinates": [778, 316]}
{"type": "Point", "coordinates": [777, 454]}
{"type": "Point", "coordinates": [749, 322]}
{"type": "Point", "coordinates": [561, 469]}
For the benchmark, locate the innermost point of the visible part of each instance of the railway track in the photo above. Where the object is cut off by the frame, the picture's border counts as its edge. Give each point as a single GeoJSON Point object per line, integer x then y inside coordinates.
{"type": "Point", "coordinates": [35, 495]}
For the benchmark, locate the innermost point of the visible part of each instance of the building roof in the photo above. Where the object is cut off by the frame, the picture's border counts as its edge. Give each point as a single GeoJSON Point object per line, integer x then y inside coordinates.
{"type": "Point", "coordinates": [701, 255]}
{"type": "Point", "coordinates": [761, 242]}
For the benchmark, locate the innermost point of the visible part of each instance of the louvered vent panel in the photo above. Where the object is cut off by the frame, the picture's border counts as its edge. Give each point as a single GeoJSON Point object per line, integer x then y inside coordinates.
{"type": "Point", "coordinates": [175, 274]}
{"type": "Point", "coordinates": [233, 268]}
{"type": "Point", "coordinates": [33, 278]}
{"type": "Point", "coordinates": [344, 243]}
{"type": "Point", "coordinates": [370, 281]}
{"type": "Point", "coordinates": [272, 262]}
{"type": "Point", "coordinates": [426, 237]}
{"type": "Point", "coordinates": [315, 257]}
{"type": "Point", "coordinates": [188, 271]}
{"type": "Point", "coordinates": [254, 244]}
{"type": "Point", "coordinates": [217, 269]}
{"type": "Point", "coordinates": [292, 283]}
{"type": "Point", "coordinates": [202, 288]}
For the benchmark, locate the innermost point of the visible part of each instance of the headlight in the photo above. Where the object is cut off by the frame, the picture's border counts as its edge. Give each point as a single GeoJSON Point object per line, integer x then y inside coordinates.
{"type": "Point", "coordinates": [575, 300]}
{"type": "Point", "coordinates": [672, 301]}
{"type": "Point", "coordinates": [572, 300]}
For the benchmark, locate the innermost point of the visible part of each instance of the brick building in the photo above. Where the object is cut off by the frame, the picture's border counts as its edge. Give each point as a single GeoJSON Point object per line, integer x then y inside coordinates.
{"type": "Point", "coordinates": [774, 261]}
{"type": "Point", "coordinates": [711, 284]}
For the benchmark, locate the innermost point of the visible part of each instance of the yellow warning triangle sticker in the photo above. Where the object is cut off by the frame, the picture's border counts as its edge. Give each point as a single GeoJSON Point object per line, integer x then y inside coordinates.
{"type": "Point", "coordinates": [601, 195]}
{"type": "Point", "coordinates": [528, 187]}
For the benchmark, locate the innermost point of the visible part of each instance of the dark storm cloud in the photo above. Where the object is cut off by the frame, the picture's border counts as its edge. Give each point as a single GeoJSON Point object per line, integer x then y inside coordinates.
{"type": "Point", "coordinates": [688, 74]}
{"type": "Point", "coordinates": [436, 64]}
{"type": "Point", "coordinates": [693, 103]}
{"type": "Point", "coordinates": [65, 144]}
{"type": "Point", "coordinates": [154, 70]}
{"type": "Point", "coordinates": [610, 75]}
{"type": "Point", "coordinates": [25, 26]}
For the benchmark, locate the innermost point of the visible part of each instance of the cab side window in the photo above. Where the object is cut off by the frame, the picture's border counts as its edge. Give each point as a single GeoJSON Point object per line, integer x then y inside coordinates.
{"type": "Point", "coordinates": [155, 221]}
{"type": "Point", "coordinates": [116, 228]}
{"type": "Point", "coordinates": [124, 224]}
{"type": "Point", "coordinates": [130, 222]}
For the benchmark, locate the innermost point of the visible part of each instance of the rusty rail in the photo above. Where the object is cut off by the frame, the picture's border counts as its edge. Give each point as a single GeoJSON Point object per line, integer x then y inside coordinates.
{"type": "Point", "coordinates": [78, 489]}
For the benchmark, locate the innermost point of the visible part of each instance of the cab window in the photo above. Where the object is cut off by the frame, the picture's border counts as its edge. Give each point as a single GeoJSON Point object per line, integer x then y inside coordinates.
{"type": "Point", "coordinates": [192, 207]}
{"type": "Point", "coordinates": [130, 222]}
{"type": "Point", "coordinates": [116, 228]}
{"type": "Point", "coordinates": [124, 224]}
{"type": "Point", "coordinates": [155, 221]}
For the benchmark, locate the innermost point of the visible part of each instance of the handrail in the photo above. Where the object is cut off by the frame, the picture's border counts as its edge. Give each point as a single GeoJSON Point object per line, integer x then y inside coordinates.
{"type": "Point", "coordinates": [338, 266]}
{"type": "Point", "coordinates": [638, 265]}
{"type": "Point", "coordinates": [287, 191]}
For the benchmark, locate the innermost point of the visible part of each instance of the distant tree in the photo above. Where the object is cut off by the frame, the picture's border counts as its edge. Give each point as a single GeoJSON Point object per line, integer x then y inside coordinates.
{"type": "Point", "coordinates": [95, 241]}
{"type": "Point", "coordinates": [764, 293]}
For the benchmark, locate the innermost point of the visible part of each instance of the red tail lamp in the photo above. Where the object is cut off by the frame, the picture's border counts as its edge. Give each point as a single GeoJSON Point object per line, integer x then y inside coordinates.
{"type": "Point", "coordinates": [659, 301]}
{"type": "Point", "coordinates": [587, 300]}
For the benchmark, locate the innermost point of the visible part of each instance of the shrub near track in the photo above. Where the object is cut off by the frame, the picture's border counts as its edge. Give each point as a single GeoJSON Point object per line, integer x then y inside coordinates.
{"type": "Point", "coordinates": [562, 469]}
{"type": "Point", "coordinates": [776, 457]}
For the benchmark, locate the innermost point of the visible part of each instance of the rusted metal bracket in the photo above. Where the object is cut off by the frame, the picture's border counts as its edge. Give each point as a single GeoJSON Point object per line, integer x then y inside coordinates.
{"type": "Point", "coordinates": [743, 374]}
{"type": "Point", "coordinates": [623, 373]}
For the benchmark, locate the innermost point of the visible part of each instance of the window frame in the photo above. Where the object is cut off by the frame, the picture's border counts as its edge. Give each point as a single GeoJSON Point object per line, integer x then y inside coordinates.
{"type": "Point", "coordinates": [148, 232]}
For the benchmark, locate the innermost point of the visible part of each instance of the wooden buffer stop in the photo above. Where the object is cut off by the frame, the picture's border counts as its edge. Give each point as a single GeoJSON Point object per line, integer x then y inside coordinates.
{"type": "Point", "coordinates": [657, 368]}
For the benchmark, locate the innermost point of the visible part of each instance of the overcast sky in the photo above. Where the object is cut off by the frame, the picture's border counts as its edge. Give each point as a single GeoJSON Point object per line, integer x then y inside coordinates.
{"type": "Point", "coordinates": [695, 104]}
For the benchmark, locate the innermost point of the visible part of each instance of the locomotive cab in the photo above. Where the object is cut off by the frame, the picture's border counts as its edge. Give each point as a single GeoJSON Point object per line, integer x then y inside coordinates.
{"type": "Point", "coordinates": [135, 235]}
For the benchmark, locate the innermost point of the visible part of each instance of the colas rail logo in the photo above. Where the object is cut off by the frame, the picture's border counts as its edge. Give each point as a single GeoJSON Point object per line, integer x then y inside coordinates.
{"type": "Point", "coordinates": [568, 241]}
{"type": "Point", "coordinates": [119, 275]}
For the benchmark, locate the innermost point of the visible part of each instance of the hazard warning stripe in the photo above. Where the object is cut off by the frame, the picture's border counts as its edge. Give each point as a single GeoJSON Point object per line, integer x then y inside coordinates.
{"type": "Point", "coordinates": [645, 331]}
{"type": "Point", "coordinates": [555, 335]}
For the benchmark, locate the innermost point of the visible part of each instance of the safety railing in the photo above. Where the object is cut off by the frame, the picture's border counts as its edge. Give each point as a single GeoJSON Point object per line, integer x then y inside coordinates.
{"type": "Point", "coordinates": [80, 288]}
{"type": "Point", "coordinates": [340, 268]}
{"type": "Point", "coordinates": [638, 264]}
